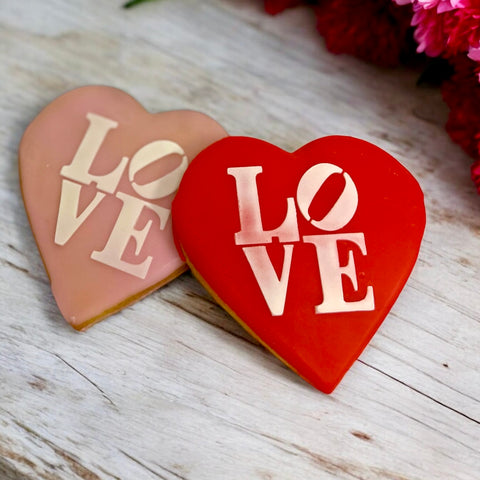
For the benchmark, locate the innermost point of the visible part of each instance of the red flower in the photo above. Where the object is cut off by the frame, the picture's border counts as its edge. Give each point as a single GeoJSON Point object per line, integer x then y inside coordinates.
{"type": "Point", "coordinates": [276, 6]}
{"type": "Point", "coordinates": [462, 94]}
{"type": "Point", "coordinates": [377, 31]}
{"type": "Point", "coordinates": [475, 172]}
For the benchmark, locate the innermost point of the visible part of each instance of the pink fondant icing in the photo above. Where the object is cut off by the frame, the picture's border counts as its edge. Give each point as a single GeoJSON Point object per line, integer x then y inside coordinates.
{"type": "Point", "coordinates": [85, 284]}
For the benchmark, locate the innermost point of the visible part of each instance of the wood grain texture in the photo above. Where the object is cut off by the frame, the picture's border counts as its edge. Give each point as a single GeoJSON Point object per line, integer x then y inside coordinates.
{"type": "Point", "coordinates": [172, 388]}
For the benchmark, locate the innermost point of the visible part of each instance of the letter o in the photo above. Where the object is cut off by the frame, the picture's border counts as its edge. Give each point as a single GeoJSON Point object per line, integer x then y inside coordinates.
{"type": "Point", "coordinates": [165, 185]}
{"type": "Point", "coordinates": [344, 208]}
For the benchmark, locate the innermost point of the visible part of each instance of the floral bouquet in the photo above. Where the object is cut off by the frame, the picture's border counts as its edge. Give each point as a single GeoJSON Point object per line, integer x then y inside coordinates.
{"type": "Point", "coordinates": [388, 32]}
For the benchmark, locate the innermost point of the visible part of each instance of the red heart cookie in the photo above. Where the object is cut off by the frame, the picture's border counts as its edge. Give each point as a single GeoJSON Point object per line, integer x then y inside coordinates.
{"type": "Point", "coordinates": [98, 175]}
{"type": "Point", "coordinates": [307, 250]}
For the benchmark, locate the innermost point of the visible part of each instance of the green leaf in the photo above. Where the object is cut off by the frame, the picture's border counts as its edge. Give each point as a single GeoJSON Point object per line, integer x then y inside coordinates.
{"type": "Point", "coordinates": [132, 3]}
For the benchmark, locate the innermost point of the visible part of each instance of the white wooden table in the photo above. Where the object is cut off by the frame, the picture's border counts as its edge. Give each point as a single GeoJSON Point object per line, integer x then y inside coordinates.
{"type": "Point", "coordinates": [172, 388]}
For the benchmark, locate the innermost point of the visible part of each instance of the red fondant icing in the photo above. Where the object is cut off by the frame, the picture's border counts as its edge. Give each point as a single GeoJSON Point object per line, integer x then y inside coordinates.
{"type": "Point", "coordinates": [316, 290]}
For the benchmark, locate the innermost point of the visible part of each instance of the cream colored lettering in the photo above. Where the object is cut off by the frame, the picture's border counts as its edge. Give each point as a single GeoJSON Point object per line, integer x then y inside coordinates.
{"type": "Point", "coordinates": [331, 273]}
{"type": "Point", "coordinates": [165, 185]}
{"type": "Point", "coordinates": [124, 230]}
{"type": "Point", "coordinates": [77, 174]}
{"type": "Point", "coordinates": [78, 170]}
{"type": "Point", "coordinates": [344, 208]}
{"type": "Point", "coordinates": [274, 289]}
{"type": "Point", "coordinates": [251, 227]}
{"type": "Point", "coordinates": [68, 220]}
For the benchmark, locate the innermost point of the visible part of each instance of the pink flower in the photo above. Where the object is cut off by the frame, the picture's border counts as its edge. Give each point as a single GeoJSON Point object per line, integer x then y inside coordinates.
{"type": "Point", "coordinates": [446, 27]}
{"type": "Point", "coordinates": [474, 53]}
{"type": "Point", "coordinates": [430, 30]}
{"type": "Point", "coordinates": [440, 5]}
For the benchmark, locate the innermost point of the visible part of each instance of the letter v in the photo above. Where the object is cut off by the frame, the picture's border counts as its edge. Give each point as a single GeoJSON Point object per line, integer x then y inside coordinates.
{"type": "Point", "coordinates": [274, 289]}
{"type": "Point", "coordinates": [68, 220]}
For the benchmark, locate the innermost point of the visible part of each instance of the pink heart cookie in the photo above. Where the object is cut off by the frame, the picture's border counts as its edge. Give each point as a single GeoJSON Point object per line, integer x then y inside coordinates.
{"type": "Point", "coordinates": [98, 175]}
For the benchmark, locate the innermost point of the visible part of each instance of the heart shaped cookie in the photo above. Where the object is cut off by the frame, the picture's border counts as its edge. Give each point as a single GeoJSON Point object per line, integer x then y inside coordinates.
{"type": "Point", "coordinates": [307, 250]}
{"type": "Point", "coordinates": [98, 174]}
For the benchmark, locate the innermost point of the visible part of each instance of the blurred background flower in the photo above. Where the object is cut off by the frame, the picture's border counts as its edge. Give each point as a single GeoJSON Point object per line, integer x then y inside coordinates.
{"type": "Point", "coordinates": [387, 32]}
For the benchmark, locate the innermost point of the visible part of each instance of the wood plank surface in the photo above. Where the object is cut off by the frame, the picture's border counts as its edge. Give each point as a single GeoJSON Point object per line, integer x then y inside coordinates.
{"type": "Point", "coordinates": [172, 387]}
